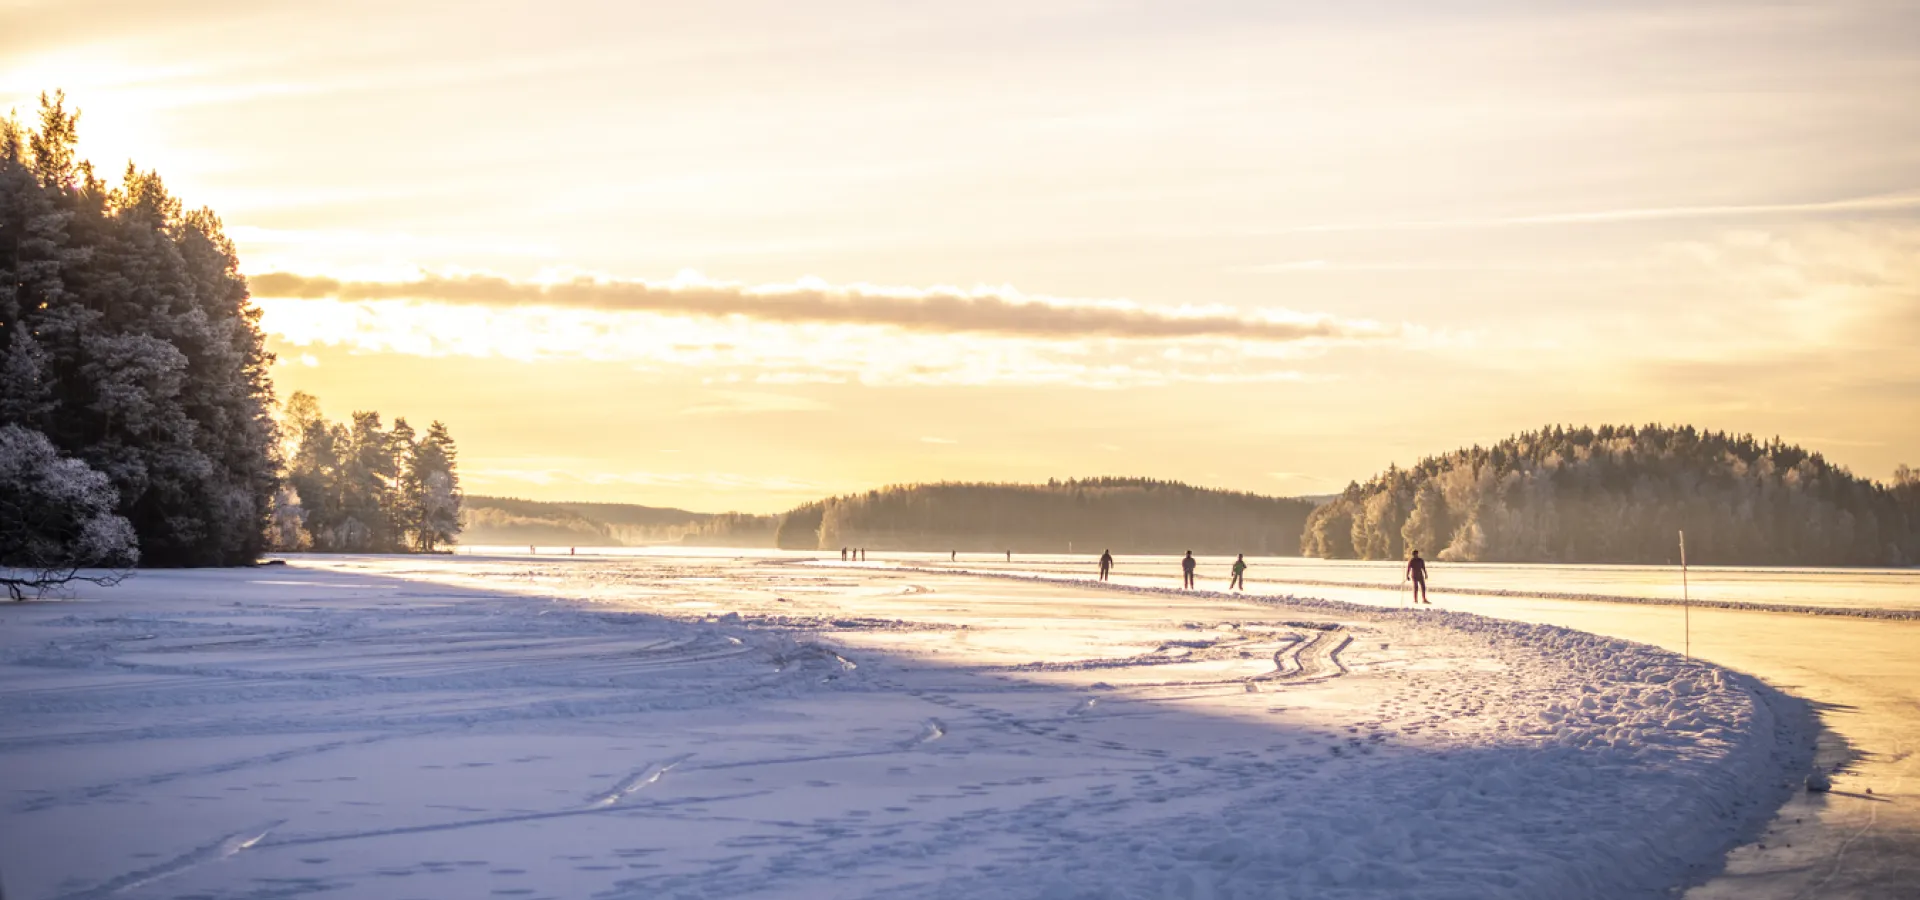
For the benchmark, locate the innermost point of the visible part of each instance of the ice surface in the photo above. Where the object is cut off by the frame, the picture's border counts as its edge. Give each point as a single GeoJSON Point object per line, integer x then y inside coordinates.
{"type": "Point", "coordinates": [718, 727]}
{"type": "Point", "coordinates": [1876, 593]}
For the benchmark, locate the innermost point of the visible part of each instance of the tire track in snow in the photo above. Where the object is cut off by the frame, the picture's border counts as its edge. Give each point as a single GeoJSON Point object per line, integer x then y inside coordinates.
{"type": "Point", "coordinates": [307, 840]}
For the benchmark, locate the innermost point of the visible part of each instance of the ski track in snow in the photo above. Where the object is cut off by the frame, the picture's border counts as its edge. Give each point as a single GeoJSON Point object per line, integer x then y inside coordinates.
{"type": "Point", "coordinates": [220, 849]}
{"type": "Point", "coordinates": [639, 779]}
{"type": "Point", "coordinates": [451, 727]}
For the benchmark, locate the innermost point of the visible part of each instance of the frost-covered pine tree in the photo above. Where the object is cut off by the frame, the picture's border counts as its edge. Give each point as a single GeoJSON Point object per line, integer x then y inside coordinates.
{"type": "Point", "coordinates": [433, 468]}
{"type": "Point", "coordinates": [287, 526]}
{"type": "Point", "coordinates": [56, 519]}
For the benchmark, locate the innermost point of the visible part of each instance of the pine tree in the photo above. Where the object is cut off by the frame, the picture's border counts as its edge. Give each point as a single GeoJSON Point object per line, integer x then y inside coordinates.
{"type": "Point", "coordinates": [434, 467]}
{"type": "Point", "coordinates": [366, 483]}
{"type": "Point", "coordinates": [409, 492]}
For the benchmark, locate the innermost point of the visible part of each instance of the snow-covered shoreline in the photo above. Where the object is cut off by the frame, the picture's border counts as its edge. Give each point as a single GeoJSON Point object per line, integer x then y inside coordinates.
{"type": "Point", "coordinates": [703, 727]}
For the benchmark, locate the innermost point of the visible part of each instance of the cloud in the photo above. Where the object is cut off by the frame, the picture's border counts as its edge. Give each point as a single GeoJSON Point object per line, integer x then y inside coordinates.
{"type": "Point", "coordinates": [724, 481]}
{"type": "Point", "coordinates": [1001, 311]}
{"type": "Point", "coordinates": [741, 403]}
{"type": "Point", "coordinates": [1892, 202]}
{"type": "Point", "coordinates": [751, 356]}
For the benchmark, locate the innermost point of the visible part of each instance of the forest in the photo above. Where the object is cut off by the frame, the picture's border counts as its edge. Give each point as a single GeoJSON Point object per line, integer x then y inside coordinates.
{"type": "Point", "coordinates": [137, 420]}
{"type": "Point", "coordinates": [513, 521]}
{"type": "Point", "coordinates": [1622, 494]}
{"type": "Point", "coordinates": [1125, 515]}
{"type": "Point", "coordinates": [358, 487]}
{"type": "Point", "coordinates": [135, 403]}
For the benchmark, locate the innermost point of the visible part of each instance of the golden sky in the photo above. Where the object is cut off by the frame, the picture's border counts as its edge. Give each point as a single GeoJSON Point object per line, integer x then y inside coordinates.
{"type": "Point", "coordinates": [735, 255]}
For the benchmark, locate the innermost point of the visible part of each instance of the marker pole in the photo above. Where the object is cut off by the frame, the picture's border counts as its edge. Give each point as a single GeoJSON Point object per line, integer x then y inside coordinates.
{"type": "Point", "coordinates": [1686, 601]}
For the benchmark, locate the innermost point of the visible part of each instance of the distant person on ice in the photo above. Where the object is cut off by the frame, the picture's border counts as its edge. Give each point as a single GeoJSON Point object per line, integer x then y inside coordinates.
{"type": "Point", "coordinates": [1417, 573]}
{"type": "Point", "coordinates": [1186, 569]}
{"type": "Point", "coordinates": [1106, 563]}
{"type": "Point", "coordinates": [843, 554]}
{"type": "Point", "coordinates": [953, 556]}
{"type": "Point", "coordinates": [1239, 582]}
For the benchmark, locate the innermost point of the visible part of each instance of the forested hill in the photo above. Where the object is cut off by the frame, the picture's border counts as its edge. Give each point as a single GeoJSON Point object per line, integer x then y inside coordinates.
{"type": "Point", "coordinates": [1126, 515]}
{"type": "Point", "coordinates": [1620, 495]}
{"type": "Point", "coordinates": [508, 520]}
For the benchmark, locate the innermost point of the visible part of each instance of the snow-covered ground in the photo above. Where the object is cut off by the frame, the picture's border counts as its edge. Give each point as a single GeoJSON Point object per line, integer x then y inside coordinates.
{"type": "Point", "coordinates": [1861, 672]}
{"type": "Point", "coordinates": [708, 726]}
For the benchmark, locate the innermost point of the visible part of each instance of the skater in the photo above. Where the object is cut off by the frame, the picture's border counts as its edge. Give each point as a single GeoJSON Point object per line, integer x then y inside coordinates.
{"type": "Point", "coordinates": [863, 554]}
{"type": "Point", "coordinates": [1009, 556]}
{"type": "Point", "coordinates": [953, 556]}
{"type": "Point", "coordinates": [1106, 563]}
{"type": "Point", "coordinates": [1186, 570]}
{"type": "Point", "coordinates": [1417, 573]}
{"type": "Point", "coordinates": [843, 554]}
{"type": "Point", "coordinates": [1239, 582]}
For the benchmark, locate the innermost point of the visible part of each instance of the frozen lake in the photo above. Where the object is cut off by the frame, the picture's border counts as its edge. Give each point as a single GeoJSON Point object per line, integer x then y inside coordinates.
{"type": "Point", "coordinates": [734, 725]}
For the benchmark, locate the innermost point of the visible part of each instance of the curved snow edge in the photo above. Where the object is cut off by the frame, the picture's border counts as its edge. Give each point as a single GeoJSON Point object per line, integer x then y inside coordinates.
{"type": "Point", "coordinates": [1765, 738]}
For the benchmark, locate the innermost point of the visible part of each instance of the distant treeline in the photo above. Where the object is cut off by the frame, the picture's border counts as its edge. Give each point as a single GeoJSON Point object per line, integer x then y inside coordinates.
{"type": "Point", "coordinates": [1620, 494]}
{"type": "Point", "coordinates": [134, 394]}
{"type": "Point", "coordinates": [509, 520]}
{"type": "Point", "coordinates": [1126, 515]}
{"type": "Point", "coordinates": [357, 487]}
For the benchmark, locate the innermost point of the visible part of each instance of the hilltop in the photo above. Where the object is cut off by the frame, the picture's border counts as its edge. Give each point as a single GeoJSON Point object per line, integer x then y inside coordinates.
{"type": "Point", "coordinates": [1126, 515]}
{"type": "Point", "coordinates": [1621, 494]}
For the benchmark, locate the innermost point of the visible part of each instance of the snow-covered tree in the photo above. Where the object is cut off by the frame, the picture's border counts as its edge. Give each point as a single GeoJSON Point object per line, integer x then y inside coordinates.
{"type": "Point", "coordinates": [368, 489]}
{"type": "Point", "coordinates": [56, 519]}
{"type": "Point", "coordinates": [432, 473]}
{"type": "Point", "coordinates": [287, 526]}
{"type": "Point", "coordinates": [127, 339]}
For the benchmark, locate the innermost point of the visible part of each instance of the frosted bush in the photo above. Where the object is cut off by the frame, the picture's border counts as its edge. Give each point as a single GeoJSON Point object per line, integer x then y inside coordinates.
{"type": "Point", "coordinates": [56, 519]}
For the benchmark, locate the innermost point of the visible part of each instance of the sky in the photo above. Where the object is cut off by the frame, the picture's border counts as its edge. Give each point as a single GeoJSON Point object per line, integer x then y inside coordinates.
{"type": "Point", "coordinates": [739, 255]}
